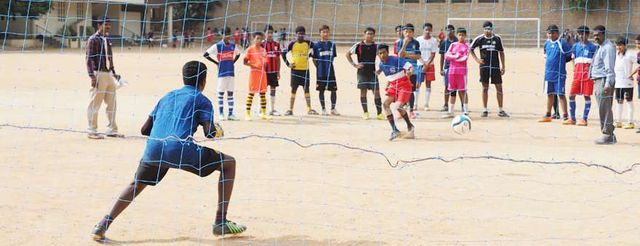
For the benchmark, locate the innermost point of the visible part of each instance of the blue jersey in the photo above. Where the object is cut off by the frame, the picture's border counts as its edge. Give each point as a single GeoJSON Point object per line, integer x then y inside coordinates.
{"type": "Point", "coordinates": [557, 54]}
{"type": "Point", "coordinates": [583, 53]}
{"type": "Point", "coordinates": [413, 48]}
{"type": "Point", "coordinates": [394, 68]}
{"type": "Point", "coordinates": [175, 119]}
{"type": "Point", "coordinates": [225, 55]}
{"type": "Point", "coordinates": [323, 53]}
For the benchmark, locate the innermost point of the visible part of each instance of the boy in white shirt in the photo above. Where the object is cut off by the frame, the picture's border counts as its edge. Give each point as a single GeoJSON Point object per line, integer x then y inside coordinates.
{"type": "Point", "coordinates": [624, 84]}
{"type": "Point", "coordinates": [429, 46]}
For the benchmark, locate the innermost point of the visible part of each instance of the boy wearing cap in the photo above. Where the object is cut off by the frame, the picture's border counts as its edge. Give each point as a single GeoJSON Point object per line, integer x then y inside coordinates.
{"type": "Point", "coordinates": [492, 65]}
{"type": "Point", "coordinates": [582, 54]}
{"type": "Point", "coordinates": [557, 53]}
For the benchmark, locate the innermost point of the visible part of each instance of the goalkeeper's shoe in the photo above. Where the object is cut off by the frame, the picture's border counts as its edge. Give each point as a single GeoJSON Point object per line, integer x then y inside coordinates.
{"type": "Point", "coordinates": [228, 227]}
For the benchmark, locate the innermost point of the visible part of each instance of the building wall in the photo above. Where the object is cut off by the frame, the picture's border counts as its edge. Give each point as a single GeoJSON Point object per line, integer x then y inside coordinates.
{"type": "Point", "coordinates": [351, 16]}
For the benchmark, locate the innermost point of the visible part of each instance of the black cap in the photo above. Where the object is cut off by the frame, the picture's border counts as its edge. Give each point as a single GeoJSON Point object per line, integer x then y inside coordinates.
{"type": "Point", "coordinates": [487, 24]}
{"type": "Point", "coordinates": [582, 29]}
{"type": "Point", "coordinates": [103, 19]}
{"type": "Point", "coordinates": [553, 28]}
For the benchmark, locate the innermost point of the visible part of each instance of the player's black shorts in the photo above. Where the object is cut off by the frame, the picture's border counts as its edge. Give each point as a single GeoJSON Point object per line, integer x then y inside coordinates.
{"type": "Point", "coordinates": [620, 93]}
{"type": "Point", "coordinates": [151, 173]}
{"type": "Point", "coordinates": [368, 81]}
{"type": "Point", "coordinates": [326, 84]}
{"type": "Point", "coordinates": [493, 74]}
{"type": "Point", "coordinates": [272, 79]}
{"type": "Point", "coordinates": [300, 78]}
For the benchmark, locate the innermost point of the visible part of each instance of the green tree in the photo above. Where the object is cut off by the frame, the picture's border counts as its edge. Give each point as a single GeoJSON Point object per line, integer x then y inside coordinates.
{"type": "Point", "coordinates": [18, 8]}
{"type": "Point", "coordinates": [196, 11]}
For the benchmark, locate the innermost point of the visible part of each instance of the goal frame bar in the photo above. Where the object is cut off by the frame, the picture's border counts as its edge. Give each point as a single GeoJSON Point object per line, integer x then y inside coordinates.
{"type": "Point", "coordinates": [501, 19]}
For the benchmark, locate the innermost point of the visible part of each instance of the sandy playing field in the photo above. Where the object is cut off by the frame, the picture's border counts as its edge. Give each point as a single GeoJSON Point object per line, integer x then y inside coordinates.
{"type": "Point", "coordinates": [531, 188]}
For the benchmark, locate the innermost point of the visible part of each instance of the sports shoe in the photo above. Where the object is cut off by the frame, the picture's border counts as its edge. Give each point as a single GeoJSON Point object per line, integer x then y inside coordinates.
{"type": "Point", "coordinates": [410, 134]}
{"type": "Point", "coordinates": [100, 229]}
{"type": "Point", "coordinates": [447, 115]}
{"type": "Point", "coordinates": [503, 114]}
{"type": "Point", "coordinates": [394, 135]}
{"type": "Point", "coordinates": [263, 115]}
{"type": "Point", "coordinates": [606, 139]}
{"type": "Point", "coordinates": [288, 113]}
{"type": "Point", "coordinates": [312, 112]}
{"type": "Point", "coordinates": [484, 114]}
{"type": "Point", "coordinates": [380, 116]}
{"type": "Point", "coordinates": [365, 116]}
{"type": "Point", "coordinates": [445, 108]}
{"type": "Point", "coordinates": [114, 134]}
{"type": "Point", "coordinates": [324, 112]}
{"type": "Point", "coordinates": [569, 122]}
{"type": "Point", "coordinates": [545, 119]}
{"type": "Point", "coordinates": [556, 116]}
{"type": "Point", "coordinates": [228, 227]}
{"type": "Point", "coordinates": [629, 125]}
{"type": "Point", "coordinates": [334, 112]}
{"type": "Point", "coordinates": [638, 131]}
{"type": "Point", "coordinates": [426, 107]}
{"type": "Point", "coordinates": [232, 117]}
{"type": "Point", "coordinates": [466, 113]}
{"type": "Point", "coordinates": [274, 113]}
{"type": "Point", "coordinates": [95, 135]}
{"type": "Point", "coordinates": [618, 124]}
{"type": "Point", "coordinates": [582, 122]}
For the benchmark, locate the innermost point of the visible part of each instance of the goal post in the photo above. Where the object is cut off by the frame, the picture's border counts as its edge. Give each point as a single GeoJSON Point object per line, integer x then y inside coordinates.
{"type": "Point", "coordinates": [513, 20]}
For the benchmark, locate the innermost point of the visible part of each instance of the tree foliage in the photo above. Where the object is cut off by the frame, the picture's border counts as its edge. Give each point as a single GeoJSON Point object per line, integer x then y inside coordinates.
{"type": "Point", "coordinates": [24, 8]}
{"type": "Point", "coordinates": [192, 12]}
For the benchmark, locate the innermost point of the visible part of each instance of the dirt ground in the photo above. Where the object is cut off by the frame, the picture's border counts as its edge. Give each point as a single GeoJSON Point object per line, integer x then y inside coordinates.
{"type": "Point", "coordinates": [521, 182]}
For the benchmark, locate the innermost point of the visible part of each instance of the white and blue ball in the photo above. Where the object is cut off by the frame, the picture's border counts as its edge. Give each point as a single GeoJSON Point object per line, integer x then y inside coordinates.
{"type": "Point", "coordinates": [461, 124]}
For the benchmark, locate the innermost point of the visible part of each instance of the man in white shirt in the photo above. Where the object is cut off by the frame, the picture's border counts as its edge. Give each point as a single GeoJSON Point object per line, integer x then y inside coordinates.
{"type": "Point", "coordinates": [429, 46]}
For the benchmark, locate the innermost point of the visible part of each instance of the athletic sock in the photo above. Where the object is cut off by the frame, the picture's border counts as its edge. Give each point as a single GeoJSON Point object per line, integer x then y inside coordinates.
{"type": "Point", "coordinates": [273, 100]}
{"type": "Point", "coordinates": [451, 107]}
{"type": "Point", "coordinates": [427, 96]}
{"type": "Point", "coordinates": [263, 102]}
{"type": "Point", "coordinates": [363, 102]}
{"type": "Point", "coordinates": [411, 101]}
{"type": "Point", "coordinates": [249, 102]}
{"type": "Point", "coordinates": [221, 103]}
{"type": "Point", "coordinates": [572, 109]}
{"type": "Point", "coordinates": [630, 111]}
{"type": "Point", "coordinates": [378, 102]}
{"type": "Point", "coordinates": [392, 122]}
{"type": "Point", "coordinates": [307, 97]}
{"type": "Point", "coordinates": [322, 102]}
{"type": "Point", "coordinates": [292, 100]}
{"type": "Point", "coordinates": [587, 108]}
{"type": "Point", "coordinates": [230, 101]}
{"type": "Point", "coordinates": [334, 99]}
{"type": "Point", "coordinates": [465, 108]}
{"type": "Point", "coordinates": [618, 112]}
{"type": "Point", "coordinates": [416, 96]}
{"type": "Point", "coordinates": [405, 116]}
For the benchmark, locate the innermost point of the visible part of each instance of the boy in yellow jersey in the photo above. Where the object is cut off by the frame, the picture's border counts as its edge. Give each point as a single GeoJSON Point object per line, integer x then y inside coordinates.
{"type": "Point", "coordinates": [300, 51]}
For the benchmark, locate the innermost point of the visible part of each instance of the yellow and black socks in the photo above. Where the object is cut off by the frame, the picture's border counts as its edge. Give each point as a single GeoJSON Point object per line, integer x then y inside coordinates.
{"type": "Point", "coordinates": [263, 102]}
{"type": "Point", "coordinates": [249, 102]}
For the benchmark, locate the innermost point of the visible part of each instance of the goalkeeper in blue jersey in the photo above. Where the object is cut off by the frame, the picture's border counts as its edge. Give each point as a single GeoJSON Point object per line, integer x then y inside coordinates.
{"type": "Point", "coordinates": [170, 127]}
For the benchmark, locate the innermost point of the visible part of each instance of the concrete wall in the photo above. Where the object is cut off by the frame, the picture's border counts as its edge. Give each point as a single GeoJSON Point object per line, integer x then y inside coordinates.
{"type": "Point", "coordinates": [351, 16]}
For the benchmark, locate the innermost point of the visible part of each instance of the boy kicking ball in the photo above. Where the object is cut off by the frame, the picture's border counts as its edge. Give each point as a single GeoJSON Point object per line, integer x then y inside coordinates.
{"type": "Point", "coordinates": [170, 128]}
{"type": "Point", "coordinates": [399, 90]}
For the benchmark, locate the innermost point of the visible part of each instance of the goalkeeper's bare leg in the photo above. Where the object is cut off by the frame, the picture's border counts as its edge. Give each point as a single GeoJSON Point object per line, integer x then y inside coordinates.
{"type": "Point", "coordinates": [221, 227]}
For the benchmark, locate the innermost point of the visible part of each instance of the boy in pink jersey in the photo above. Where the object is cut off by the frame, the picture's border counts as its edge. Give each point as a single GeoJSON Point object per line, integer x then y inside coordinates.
{"type": "Point", "coordinates": [457, 56]}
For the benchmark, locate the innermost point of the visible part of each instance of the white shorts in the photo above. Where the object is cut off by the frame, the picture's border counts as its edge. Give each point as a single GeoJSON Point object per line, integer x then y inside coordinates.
{"type": "Point", "coordinates": [226, 83]}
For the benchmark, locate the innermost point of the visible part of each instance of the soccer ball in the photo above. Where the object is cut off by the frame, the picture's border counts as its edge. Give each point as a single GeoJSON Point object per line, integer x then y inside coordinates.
{"type": "Point", "coordinates": [461, 124]}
